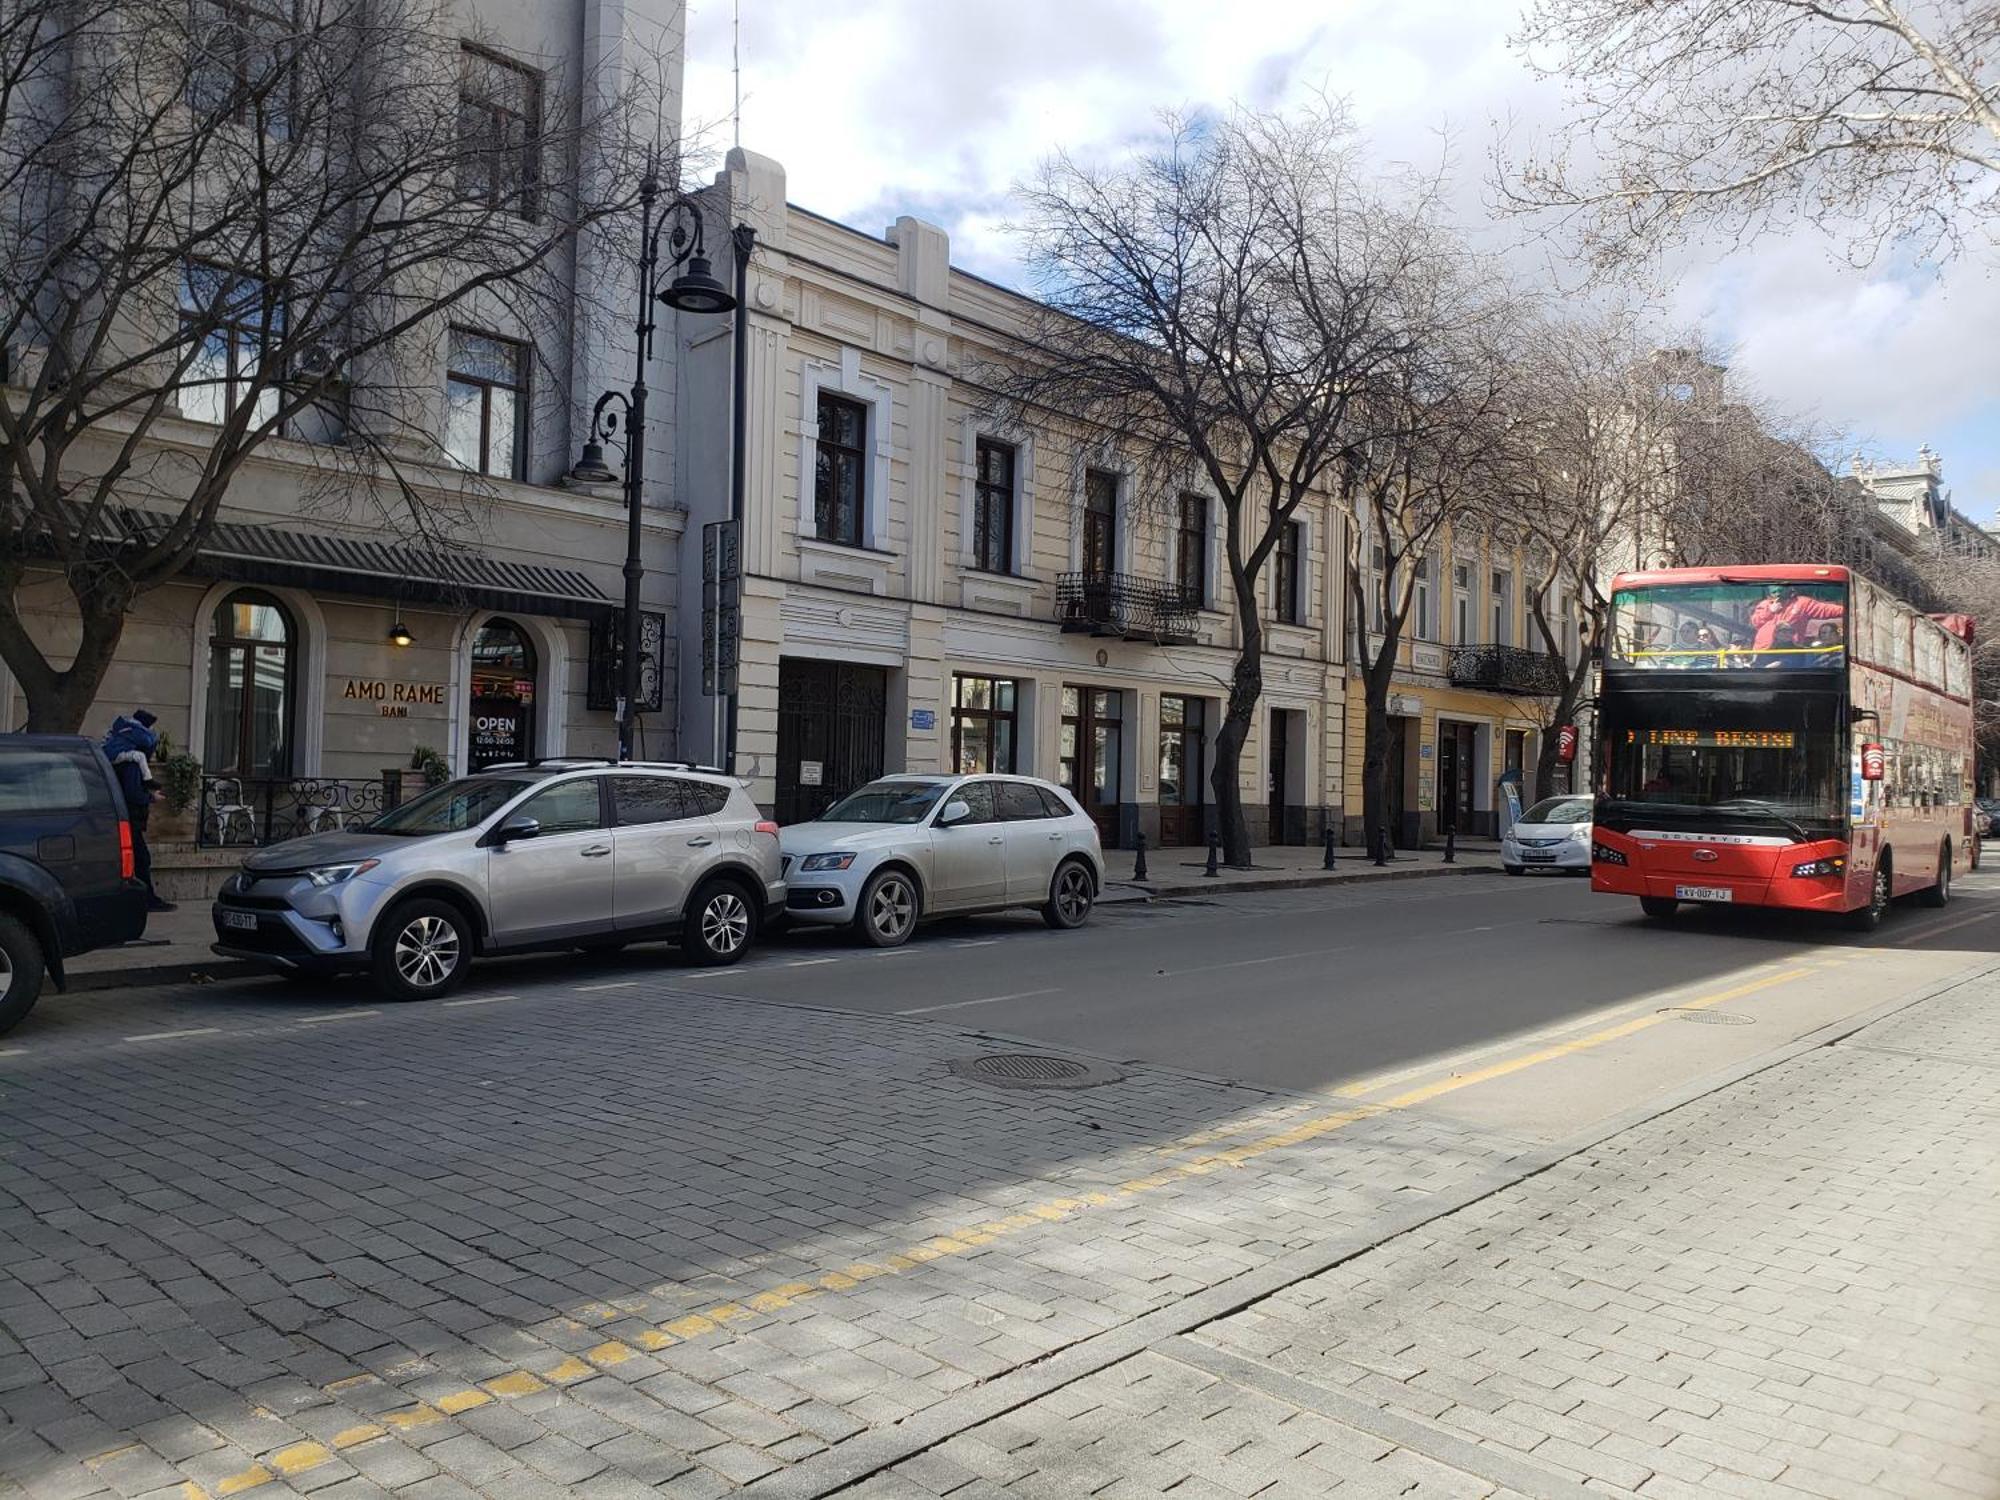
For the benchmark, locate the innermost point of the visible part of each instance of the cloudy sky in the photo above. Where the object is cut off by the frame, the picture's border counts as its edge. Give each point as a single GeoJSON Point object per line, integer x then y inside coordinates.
{"type": "Point", "coordinates": [936, 107]}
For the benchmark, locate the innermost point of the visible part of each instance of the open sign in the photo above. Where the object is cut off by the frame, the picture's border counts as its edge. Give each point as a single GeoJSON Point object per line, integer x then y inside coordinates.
{"type": "Point", "coordinates": [1873, 762]}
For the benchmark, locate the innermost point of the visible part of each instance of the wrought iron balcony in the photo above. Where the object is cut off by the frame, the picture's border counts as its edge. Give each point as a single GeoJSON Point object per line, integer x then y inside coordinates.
{"type": "Point", "coordinates": [1118, 604]}
{"type": "Point", "coordinates": [1505, 669]}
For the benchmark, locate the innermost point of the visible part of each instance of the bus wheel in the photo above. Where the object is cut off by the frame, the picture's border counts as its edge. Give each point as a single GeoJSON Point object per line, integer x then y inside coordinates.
{"type": "Point", "coordinates": [1868, 918]}
{"type": "Point", "coordinates": [1658, 907]}
{"type": "Point", "coordinates": [1939, 894]}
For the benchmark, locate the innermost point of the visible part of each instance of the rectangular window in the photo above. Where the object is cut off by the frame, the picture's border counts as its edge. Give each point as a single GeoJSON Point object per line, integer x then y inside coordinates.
{"type": "Point", "coordinates": [500, 128]}
{"type": "Point", "coordinates": [1289, 603]}
{"type": "Point", "coordinates": [1503, 607]}
{"type": "Point", "coordinates": [838, 466]}
{"type": "Point", "coordinates": [1461, 604]}
{"type": "Point", "coordinates": [1380, 582]}
{"type": "Point", "coordinates": [982, 725]}
{"type": "Point", "coordinates": [486, 408]}
{"type": "Point", "coordinates": [1100, 523]}
{"type": "Point", "coordinates": [993, 508]}
{"type": "Point", "coordinates": [240, 69]}
{"type": "Point", "coordinates": [1191, 551]}
{"type": "Point", "coordinates": [228, 320]}
{"type": "Point", "coordinates": [1426, 602]}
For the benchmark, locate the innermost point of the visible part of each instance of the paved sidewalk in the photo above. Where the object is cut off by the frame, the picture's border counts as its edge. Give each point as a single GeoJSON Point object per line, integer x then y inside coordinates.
{"type": "Point", "coordinates": [176, 945]}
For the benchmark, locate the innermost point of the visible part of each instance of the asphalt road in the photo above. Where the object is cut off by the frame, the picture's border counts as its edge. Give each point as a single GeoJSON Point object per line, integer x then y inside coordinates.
{"type": "Point", "coordinates": [1373, 991]}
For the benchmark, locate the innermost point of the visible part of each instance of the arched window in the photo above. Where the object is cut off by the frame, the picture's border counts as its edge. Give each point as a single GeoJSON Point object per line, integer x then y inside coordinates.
{"type": "Point", "coordinates": [503, 695]}
{"type": "Point", "coordinates": [252, 646]}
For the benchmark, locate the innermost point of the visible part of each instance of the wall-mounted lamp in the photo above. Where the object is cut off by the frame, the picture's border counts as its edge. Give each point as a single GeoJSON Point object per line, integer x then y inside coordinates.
{"type": "Point", "coordinates": [399, 635]}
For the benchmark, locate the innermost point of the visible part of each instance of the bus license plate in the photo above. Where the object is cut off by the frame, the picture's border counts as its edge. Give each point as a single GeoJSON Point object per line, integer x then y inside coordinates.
{"type": "Point", "coordinates": [242, 921]}
{"type": "Point", "coordinates": [1703, 893]}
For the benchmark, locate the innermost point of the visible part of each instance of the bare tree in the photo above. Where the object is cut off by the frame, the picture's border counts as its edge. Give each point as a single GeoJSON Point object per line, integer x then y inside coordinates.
{"type": "Point", "coordinates": [1432, 421]}
{"type": "Point", "coordinates": [219, 230]}
{"type": "Point", "coordinates": [1878, 120]}
{"type": "Point", "coordinates": [1598, 427]}
{"type": "Point", "coordinates": [1218, 306]}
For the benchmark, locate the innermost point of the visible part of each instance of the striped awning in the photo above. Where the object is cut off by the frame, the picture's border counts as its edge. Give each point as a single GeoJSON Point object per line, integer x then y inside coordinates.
{"type": "Point", "coordinates": [372, 568]}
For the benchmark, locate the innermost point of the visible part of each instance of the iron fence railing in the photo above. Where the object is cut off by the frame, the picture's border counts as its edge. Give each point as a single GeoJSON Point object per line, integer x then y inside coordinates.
{"type": "Point", "coordinates": [251, 810]}
{"type": "Point", "coordinates": [1505, 669]}
{"type": "Point", "coordinates": [1124, 605]}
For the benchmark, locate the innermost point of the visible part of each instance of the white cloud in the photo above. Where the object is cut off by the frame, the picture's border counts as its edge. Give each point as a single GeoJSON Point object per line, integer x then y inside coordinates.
{"type": "Point", "coordinates": [880, 107]}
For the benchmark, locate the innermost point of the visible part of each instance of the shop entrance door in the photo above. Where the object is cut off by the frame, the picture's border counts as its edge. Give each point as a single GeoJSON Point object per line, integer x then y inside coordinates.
{"type": "Point", "coordinates": [1455, 752]}
{"type": "Point", "coordinates": [832, 716]}
{"type": "Point", "coordinates": [1183, 769]}
{"type": "Point", "coordinates": [1399, 749]}
{"type": "Point", "coordinates": [1279, 772]}
{"type": "Point", "coordinates": [1092, 754]}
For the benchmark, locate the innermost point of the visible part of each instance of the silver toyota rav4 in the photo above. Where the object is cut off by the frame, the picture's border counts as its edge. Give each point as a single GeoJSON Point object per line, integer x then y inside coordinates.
{"type": "Point", "coordinates": [553, 854]}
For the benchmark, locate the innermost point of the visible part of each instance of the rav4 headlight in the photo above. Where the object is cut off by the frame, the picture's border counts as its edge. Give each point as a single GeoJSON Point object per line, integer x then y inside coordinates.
{"type": "Point", "coordinates": [326, 875]}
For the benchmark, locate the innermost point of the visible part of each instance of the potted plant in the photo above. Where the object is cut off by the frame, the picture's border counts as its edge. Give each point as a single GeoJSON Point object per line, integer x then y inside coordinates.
{"type": "Point", "coordinates": [178, 776]}
{"type": "Point", "coordinates": [429, 764]}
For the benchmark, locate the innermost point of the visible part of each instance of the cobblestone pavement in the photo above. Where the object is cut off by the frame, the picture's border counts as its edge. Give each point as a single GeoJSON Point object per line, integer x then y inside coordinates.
{"type": "Point", "coordinates": [647, 1241]}
{"type": "Point", "coordinates": [1788, 1288]}
{"type": "Point", "coordinates": [617, 1238]}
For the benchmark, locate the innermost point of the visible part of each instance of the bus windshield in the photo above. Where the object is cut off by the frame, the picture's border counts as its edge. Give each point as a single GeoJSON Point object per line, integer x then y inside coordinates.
{"type": "Point", "coordinates": [1780, 625]}
{"type": "Point", "coordinates": [1778, 776]}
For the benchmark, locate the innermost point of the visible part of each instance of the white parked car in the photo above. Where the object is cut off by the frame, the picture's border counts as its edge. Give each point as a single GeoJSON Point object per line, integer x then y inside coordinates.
{"type": "Point", "coordinates": [1554, 834]}
{"type": "Point", "coordinates": [907, 847]}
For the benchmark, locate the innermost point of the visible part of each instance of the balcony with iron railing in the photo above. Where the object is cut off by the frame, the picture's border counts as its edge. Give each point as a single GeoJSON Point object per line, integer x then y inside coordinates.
{"type": "Point", "coordinates": [1122, 605]}
{"type": "Point", "coordinates": [1505, 669]}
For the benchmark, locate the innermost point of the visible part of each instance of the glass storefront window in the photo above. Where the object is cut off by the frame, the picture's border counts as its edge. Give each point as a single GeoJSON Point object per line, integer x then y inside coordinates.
{"type": "Point", "coordinates": [983, 725]}
{"type": "Point", "coordinates": [250, 687]}
{"type": "Point", "coordinates": [501, 722]}
{"type": "Point", "coordinates": [1716, 625]}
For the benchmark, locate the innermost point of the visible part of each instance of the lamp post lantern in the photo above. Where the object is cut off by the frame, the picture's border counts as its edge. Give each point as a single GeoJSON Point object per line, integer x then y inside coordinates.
{"type": "Point", "coordinates": [694, 289]}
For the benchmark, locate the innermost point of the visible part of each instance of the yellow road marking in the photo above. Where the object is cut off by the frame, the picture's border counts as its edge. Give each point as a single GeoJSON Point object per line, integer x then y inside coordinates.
{"type": "Point", "coordinates": [249, 1479]}
{"type": "Point", "coordinates": [611, 1353]}
{"type": "Point", "coordinates": [569, 1370]}
{"type": "Point", "coordinates": [412, 1417]}
{"type": "Point", "coordinates": [353, 1437]}
{"type": "Point", "coordinates": [350, 1383]}
{"type": "Point", "coordinates": [301, 1458]}
{"type": "Point", "coordinates": [515, 1383]}
{"type": "Point", "coordinates": [459, 1401]}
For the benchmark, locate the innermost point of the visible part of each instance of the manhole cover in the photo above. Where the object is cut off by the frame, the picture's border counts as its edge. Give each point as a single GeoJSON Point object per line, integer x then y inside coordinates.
{"type": "Point", "coordinates": [1034, 1070]}
{"type": "Point", "coordinates": [1708, 1017]}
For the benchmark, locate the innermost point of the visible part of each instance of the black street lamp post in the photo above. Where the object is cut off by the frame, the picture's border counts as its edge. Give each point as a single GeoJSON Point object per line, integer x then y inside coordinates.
{"type": "Point", "coordinates": [694, 290]}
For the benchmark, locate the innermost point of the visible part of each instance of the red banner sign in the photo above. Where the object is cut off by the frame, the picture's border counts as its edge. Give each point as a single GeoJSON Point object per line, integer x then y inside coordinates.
{"type": "Point", "coordinates": [1566, 743]}
{"type": "Point", "coordinates": [1872, 762]}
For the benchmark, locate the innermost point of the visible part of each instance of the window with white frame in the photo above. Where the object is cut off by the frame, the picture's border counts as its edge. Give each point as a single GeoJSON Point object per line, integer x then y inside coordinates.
{"type": "Point", "coordinates": [486, 390]}
{"type": "Point", "coordinates": [1502, 597]}
{"type": "Point", "coordinates": [993, 507]}
{"type": "Point", "coordinates": [1425, 607]}
{"type": "Point", "coordinates": [230, 319]}
{"type": "Point", "coordinates": [1461, 604]}
{"type": "Point", "coordinates": [1191, 550]}
{"type": "Point", "coordinates": [241, 68]}
{"type": "Point", "coordinates": [839, 471]}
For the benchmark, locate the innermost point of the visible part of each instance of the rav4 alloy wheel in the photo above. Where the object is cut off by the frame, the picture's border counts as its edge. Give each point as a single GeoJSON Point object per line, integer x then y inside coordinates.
{"type": "Point", "coordinates": [719, 926]}
{"type": "Point", "coordinates": [421, 950]}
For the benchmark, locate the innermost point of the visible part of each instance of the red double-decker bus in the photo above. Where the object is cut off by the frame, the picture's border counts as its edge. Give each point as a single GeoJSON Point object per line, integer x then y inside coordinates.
{"type": "Point", "coordinates": [1781, 736]}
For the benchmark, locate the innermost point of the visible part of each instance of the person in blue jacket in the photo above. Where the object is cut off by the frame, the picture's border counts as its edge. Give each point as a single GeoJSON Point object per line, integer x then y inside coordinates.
{"type": "Point", "coordinates": [130, 747]}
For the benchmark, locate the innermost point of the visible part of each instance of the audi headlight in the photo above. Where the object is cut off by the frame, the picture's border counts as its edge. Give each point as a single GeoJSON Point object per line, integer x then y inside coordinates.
{"type": "Point", "coordinates": [815, 862]}
{"type": "Point", "coordinates": [326, 875]}
{"type": "Point", "coordinates": [1833, 866]}
{"type": "Point", "coordinates": [1606, 856]}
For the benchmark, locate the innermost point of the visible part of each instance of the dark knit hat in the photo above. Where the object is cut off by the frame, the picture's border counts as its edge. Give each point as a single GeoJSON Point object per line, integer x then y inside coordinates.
{"type": "Point", "coordinates": [146, 717]}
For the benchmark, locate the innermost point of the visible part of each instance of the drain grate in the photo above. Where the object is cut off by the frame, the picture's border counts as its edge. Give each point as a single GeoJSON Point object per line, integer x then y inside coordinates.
{"type": "Point", "coordinates": [1708, 1017]}
{"type": "Point", "coordinates": [1033, 1070]}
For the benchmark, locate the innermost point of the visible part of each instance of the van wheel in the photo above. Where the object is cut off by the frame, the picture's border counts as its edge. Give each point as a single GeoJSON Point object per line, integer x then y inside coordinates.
{"type": "Point", "coordinates": [1939, 894]}
{"type": "Point", "coordinates": [1868, 918]}
{"type": "Point", "coordinates": [1659, 907]}
{"type": "Point", "coordinates": [21, 969]}
{"type": "Point", "coordinates": [1071, 895]}
{"type": "Point", "coordinates": [421, 950]}
{"type": "Point", "coordinates": [719, 925]}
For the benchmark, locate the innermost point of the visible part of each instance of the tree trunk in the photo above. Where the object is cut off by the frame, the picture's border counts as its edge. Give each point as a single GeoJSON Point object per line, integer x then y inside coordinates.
{"type": "Point", "coordinates": [59, 701]}
{"type": "Point", "coordinates": [1246, 687]}
{"type": "Point", "coordinates": [1375, 768]}
{"type": "Point", "coordinates": [1564, 712]}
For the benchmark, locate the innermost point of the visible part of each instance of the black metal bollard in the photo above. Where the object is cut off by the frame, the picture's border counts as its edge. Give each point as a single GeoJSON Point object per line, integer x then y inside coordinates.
{"type": "Point", "coordinates": [1327, 863]}
{"type": "Point", "coordinates": [1139, 857]}
{"type": "Point", "coordinates": [1381, 846]}
{"type": "Point", "coordinates": [1450, 844]}
{"type": "Point", "coordinates": [1214, 851]}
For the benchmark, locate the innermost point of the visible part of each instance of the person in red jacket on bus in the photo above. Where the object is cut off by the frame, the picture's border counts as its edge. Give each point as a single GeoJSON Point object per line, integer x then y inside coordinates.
{"type": "Point", "coordinates": [1784, 605]}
